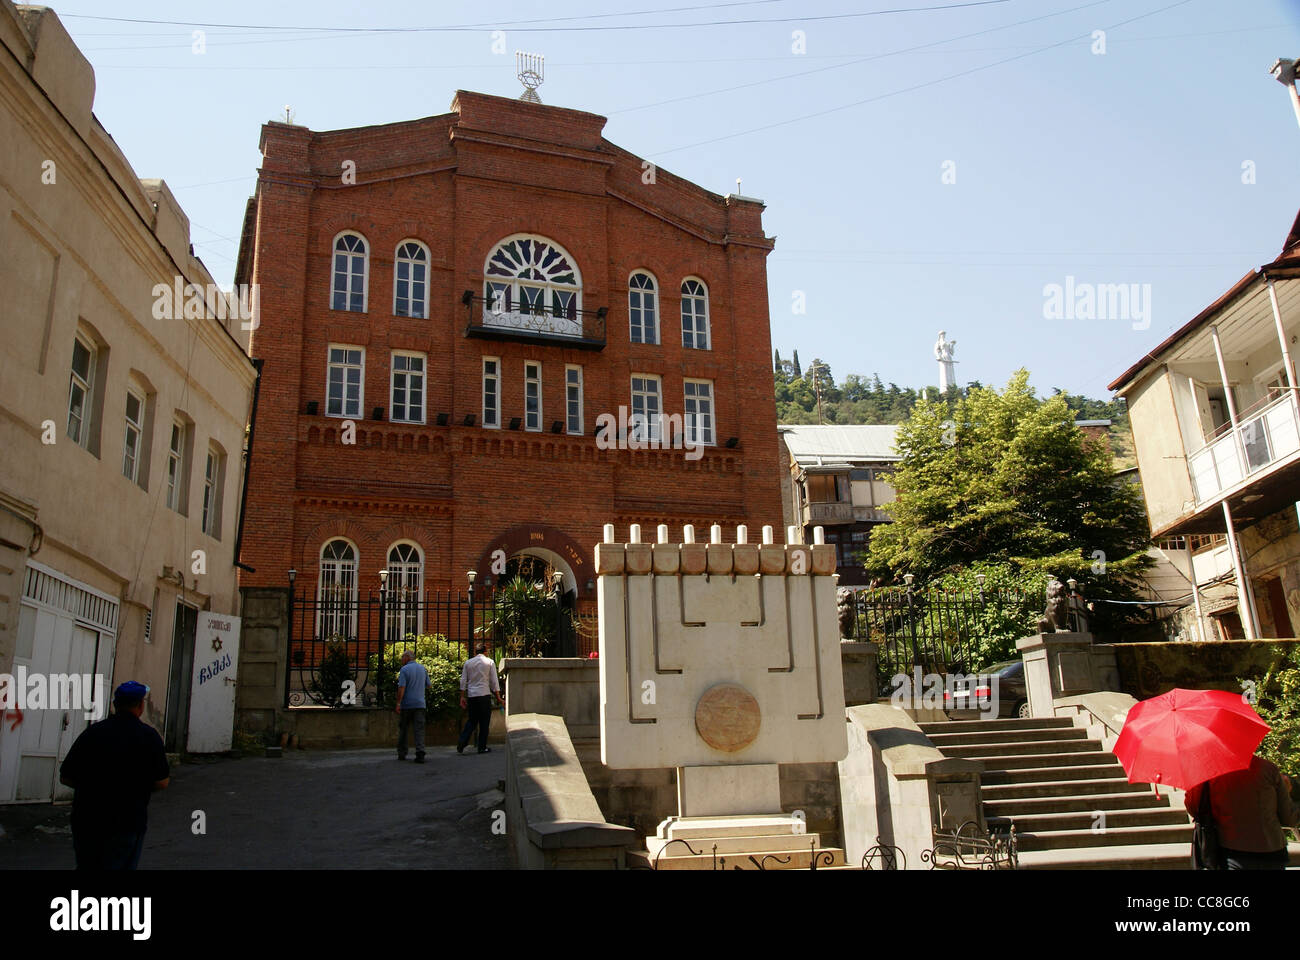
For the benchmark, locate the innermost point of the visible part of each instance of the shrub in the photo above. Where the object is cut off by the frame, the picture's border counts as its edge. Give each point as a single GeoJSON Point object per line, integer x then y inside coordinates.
{"type": "Point", "coordinates": [334, 671]}
{"type": "Point", "coordinates": [443, 659]}
{"type": "Point", "coordinates": [1278, 702]}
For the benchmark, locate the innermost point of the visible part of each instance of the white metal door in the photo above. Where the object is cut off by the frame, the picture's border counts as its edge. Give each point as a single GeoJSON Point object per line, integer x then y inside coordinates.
{"type": "Point", "coordinates": [212, 687]}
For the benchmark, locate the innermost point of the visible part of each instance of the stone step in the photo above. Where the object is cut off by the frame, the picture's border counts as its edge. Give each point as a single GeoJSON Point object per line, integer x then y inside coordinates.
{"type": "Point", "coordinates": [706, 845]}
{"type": "Point", "coordinates": [1113, 837]}
{"type": "Point", "coordinates": [1134, 856]}
{"type": "Point", "coordinates": [756, 825]}
{"type": "Point", "coordinates": [1020, 806]}
{"type": "Point", "coordinates": [1082, 767]}
{"type": "Point", "coordinates": [978, 751]}
{"type": "Point", "coordinates": [945, 740]}
{"type": "Point", "coordinates": [1013, 723]}
{"type": "Point", "coordinates": [1021, 761]}
{"type": "Point", "coordinates": [1040, 823]}
{"type": "Point", "coordinates": [768, 859]}
{"type": "Point", "coordinates": [1043, 789]}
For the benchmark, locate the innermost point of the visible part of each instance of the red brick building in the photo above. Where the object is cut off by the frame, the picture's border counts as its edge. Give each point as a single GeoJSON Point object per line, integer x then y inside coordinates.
{"type": "Point", "coordinates": [471, 291]}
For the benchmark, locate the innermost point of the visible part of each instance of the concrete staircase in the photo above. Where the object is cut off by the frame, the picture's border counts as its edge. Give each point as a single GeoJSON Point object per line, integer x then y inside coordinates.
{"type": "Point", "coordinates": [764, 841]}
{"type": "Point", "coordinates": [1069, 798]}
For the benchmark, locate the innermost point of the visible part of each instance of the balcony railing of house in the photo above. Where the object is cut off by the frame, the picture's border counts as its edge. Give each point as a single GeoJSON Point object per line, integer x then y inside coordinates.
{"type": "Point", "coordinates": [502, 319]}
{"type": "Point", "coordinates": [1264, 436]}
{"type": "Point", "coordinates": [828, 512]}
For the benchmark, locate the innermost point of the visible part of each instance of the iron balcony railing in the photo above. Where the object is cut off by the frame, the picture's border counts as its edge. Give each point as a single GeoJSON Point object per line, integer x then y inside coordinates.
{"type": "Point", "coordinates": [1261, 439]}
{"type": "Point", "coordinates": [504, 319]}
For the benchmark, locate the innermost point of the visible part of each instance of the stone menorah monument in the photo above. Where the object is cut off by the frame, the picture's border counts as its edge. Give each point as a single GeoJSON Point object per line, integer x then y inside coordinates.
{"type": "Point", "coordinates": [721, 660]}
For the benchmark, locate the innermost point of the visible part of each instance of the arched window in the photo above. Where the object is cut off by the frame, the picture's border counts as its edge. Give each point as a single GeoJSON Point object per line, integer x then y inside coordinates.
{"type": "Point", "coordinates": [695, 314]}
{"type": "Point", "coordinates": [533, 283]}
{"type": "Point", "coordinates": [411, 280]}
{"type": "Point", "coordinates": [350, 265]}
{"type": "Point", "coordinates": [336, 591]}
{"type": "Point", "coordinates": [405, 588]}
{"type": "Point", "coordinates": [643, 307]}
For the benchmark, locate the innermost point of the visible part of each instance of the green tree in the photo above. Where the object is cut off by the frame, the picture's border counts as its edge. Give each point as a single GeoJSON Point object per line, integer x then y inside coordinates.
{"type": "Point", "coordinates": [1007, 478]}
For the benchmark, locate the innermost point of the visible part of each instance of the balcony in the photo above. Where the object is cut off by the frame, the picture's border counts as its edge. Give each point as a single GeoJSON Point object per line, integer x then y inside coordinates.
{"type": "Point", "coordinates": [534, 323]}
{"type": "Point", "coordinates": [824, 513]}
{"type": "Point", "coordinates": [1263, 438]}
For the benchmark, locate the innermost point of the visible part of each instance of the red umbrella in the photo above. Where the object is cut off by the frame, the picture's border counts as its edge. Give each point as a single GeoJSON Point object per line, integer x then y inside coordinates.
{"type": "Point", "coordinates": [1185, 737]}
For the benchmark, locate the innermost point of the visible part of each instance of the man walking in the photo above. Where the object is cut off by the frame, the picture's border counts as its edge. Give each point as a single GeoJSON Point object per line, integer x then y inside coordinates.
{"type": "Point", "coordinates": [113, 767]}
{"type": "Point", "coordinates": [478, 685]}
{"type": "Point", "coordinates": [412, 683]}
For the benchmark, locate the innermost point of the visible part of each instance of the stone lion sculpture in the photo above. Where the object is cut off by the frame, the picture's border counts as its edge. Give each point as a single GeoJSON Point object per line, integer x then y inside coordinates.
{"type": "Point", "coordinates": [1056, 618]}
{"type": "Point", "coordinates": [847, 611]}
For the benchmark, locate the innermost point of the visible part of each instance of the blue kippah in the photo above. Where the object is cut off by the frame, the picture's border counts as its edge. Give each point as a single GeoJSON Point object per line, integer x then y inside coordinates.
{"type": "Point", "coordinates": [131, 690]}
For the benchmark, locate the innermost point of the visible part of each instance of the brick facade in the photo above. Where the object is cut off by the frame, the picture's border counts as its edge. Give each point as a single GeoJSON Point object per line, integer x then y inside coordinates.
{"type": "Point", "coordinates": [459, 183]}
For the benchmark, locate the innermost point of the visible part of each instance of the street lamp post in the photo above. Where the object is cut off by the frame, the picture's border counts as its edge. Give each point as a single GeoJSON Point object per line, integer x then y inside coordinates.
{"type": "Point", "coordinates": [383, 633]}
{"type": "Point", "coordinates": [469, 642]}
{"type": "Point", "coordinates": [1284, 72]}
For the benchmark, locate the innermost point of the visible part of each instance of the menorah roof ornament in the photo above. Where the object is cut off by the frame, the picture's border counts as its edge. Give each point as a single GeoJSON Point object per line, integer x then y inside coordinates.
{"type": "Point", "coordinates": [531, 70]}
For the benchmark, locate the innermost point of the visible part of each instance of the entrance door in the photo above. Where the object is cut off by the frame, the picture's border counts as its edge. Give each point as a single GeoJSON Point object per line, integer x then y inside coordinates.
{"type": "Point", "coordinates": [212, 684]}
{"type": "Point", "coordinates": [1277, 608]}
{"type": "Point", "coordinates": [178, 678]}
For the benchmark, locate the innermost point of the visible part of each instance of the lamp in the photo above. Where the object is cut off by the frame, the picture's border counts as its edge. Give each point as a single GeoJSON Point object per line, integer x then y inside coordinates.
{"type": "Point", "coordinates": [377, 413]}
{"type": "Point", "coordinates": [383, 578]}
{"type": "Point", "coordinates": [443, 418]}
{"type": "Point", "coordinates": [907, 579]}
{"type": "Point", "coordinates": [1072, 583]}
{"type": "Point", "coordinates": [467, 297]}
{"type": "Point", "coordinates": [471, 574]}
{"type": "Point", "coordinates": [591, 585]}
{"type": "Point", "coordinates": [469, 420]}
{"type": "Point", "coordinates": [732, 442]}
{"type": "Point", "coordinates": [293, 575]}
{"type": "Point", "coordinates": [979, 580]}
{"type": "Point", "coordinates": [557, 426]}
{"type": "Point", "coordinates": [514, 423]}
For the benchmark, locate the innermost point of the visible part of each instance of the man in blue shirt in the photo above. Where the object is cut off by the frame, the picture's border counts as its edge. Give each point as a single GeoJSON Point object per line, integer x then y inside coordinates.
{"type": "Point", "coordinates": [412, 682]}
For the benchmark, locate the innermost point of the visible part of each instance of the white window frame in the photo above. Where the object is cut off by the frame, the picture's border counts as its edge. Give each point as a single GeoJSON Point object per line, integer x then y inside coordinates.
{"type": "Point", "coordinates": [652, 422]}
{"type": "Point", "coordinates": [87, 387]}
{"type": "Point", "coordinates": [533, 381]}
{"type": "Point", "coordinates": [393, 374]}
{"type": "Point", "coordinates": [690, 430]}
{"type": "Point", "coordinates": [210, 518]}
{"type": "Point", "coordinates": [496, 283]}
{"type": "Point", "coordinates": [133, 428]}
{"type": "Point", "coordinates": [405, 589]}
{"type": "Point", "coordinates": [695, 334]}
{"type": "Point", "coordinates": [336, 612]}
{"type": "Point", "coordinates": [572, 386]}
{"type": "Point", "coordinates": [639, 310]}
{"type": "Point", "coordinates": [494, 423]}
{"type": "Point", "coordinates": [346, 366]}
{"type": "Point", "coordinates": [175, 477]}
{"type": "Point", "coordinates": [398, 259]}
{"type": "Point", "coordinates": [348, 290]}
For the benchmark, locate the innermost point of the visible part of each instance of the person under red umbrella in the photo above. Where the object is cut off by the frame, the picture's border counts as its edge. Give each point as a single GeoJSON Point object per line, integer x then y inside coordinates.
{"type": "Point", "coordinates": [1250, 807]}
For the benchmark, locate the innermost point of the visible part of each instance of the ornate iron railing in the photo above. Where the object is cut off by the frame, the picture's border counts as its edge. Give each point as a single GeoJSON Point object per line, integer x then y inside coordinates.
{"type": "Point", "coordinates": [501, 319]}
{"type": "Point", "coordinates": [969, 848]}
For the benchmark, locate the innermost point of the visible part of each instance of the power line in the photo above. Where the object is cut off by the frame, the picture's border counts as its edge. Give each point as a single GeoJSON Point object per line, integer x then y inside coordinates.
{"type": "Point", "coordinates": [524, 26]}
{"type": "Point", "coordinates": [919, 86]}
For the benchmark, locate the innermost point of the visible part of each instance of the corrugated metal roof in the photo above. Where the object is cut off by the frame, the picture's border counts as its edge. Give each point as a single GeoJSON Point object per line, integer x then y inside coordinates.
{"type": "Point", "coordinates": [835, 443]}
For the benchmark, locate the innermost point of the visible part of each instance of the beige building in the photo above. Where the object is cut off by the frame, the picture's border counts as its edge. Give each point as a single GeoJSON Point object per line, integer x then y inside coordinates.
{"type": "Point", "coordinates": [122, 417]}
{"type": "Point", "coordinates": [1217, 435]}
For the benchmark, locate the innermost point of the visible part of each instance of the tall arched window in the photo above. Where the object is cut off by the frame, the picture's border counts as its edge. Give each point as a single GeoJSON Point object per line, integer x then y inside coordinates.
{"type": "Point", "coordinates": [695, 314]}
{"type": "Point", "coordinates": [350, 266]}
{"type": "Point", "coordinates": [643, 308]}
{"type": "Point", "coordinates": [405, 588]}
{"type": "Point", "coordinates": [336, 591]}
{"type": "Point", "coordinates": [411, 280]}
{"type": "Point", "coordinates": [531, 282]}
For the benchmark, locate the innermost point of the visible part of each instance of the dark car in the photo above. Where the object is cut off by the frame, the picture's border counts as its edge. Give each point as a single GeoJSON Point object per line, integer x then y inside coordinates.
{"type": "Point", "coordinates": [971, 698]}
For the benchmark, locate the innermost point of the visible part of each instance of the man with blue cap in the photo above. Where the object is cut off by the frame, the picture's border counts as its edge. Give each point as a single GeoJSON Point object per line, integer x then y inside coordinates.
{"type": "Point", "coordinates": [113, 767]}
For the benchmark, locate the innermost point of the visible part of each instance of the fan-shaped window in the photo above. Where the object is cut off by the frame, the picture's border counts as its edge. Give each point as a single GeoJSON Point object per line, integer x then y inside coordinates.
{"type": "Point", "coordinates": [405, 586]}
{"type": "Point", "coordinates": [530, 282]}
{"type": "Point", "coordinates": [695, 315]}
{"type": "Point", "coordinates": [350, 265]}
{"type": "Point", "coordinates": [643, 308]}
{"type": "Point", "coordinates": [411, 280]}
{"type": "Point", "coordinates": [337, 591]}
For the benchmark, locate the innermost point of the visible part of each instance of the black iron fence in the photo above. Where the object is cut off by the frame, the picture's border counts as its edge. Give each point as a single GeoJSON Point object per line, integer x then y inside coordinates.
{"type": "Point", "coordinates": [941, 632]}
{"type": "Point", "coordinates": [345, 647]}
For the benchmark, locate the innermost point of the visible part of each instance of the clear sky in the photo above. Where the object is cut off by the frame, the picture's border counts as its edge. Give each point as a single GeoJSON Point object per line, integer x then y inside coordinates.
{"type": "Point", "coordinates": [923, 170]}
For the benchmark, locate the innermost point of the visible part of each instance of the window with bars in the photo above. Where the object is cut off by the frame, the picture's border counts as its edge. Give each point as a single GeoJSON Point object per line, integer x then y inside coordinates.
{"type": "Point", "coordinates": [695, 315]}
{"type": "Point", "coordinates": [404, 586]}
{"type": "Point", "coordinates": [349, 276]}
{"type": "Point", "coordinates": [573, 399]}
{"type": "Point", "coordinates": [336, 591]}
{"type": "Point", "coordinates": [532, 396]}
{"type": "Point", "coordinates": [410, 280]}
{"type": "Point", "coordinates": [408, 387]}
{"type": "Point", "coordinates": [698, 425]}
{"type": "Point", "coordinates": [344, 390]}
{"type": "Point", "coordinates": [645, 423]}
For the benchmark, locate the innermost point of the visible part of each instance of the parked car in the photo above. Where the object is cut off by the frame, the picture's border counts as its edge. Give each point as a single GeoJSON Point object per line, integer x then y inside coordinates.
{"type": "Point", "coordinates": [971, 700]}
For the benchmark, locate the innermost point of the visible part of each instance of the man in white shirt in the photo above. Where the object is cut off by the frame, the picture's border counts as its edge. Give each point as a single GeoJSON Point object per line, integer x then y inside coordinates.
{"type": "Point", "coordinates": [478, 685]}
